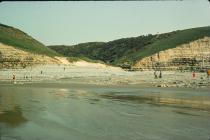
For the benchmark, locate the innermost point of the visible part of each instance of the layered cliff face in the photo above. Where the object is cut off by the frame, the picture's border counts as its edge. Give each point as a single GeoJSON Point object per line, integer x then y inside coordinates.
{"type": "Point", "coordinates": [15, 58]}
{"type": "Point", "coordinates": [194, 54]}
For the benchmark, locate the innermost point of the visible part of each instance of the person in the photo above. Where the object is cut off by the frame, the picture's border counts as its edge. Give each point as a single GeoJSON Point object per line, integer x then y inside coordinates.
{"type": "Point", "coordinates": [208, 73]}
{"type": "Point", "coordinates": [160, 76]}
{"type": "Point", "coordinates": [41, 71]}
{"type": "Point", "coordinates": [13, 77]}
{"type": "Point", "coordinates": [193, 74]}
{"type": "Point", "coordinates": [155, 74]}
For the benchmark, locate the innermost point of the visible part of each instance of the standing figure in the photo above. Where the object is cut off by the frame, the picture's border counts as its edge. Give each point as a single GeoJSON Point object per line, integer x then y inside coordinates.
{"type": "Point", "coordinates": [160, 76]}
{"type": "Point", "coordinates": [208, 73]}
{"type": "Point", "coordinates": [155, 74]}
{"type": "Point", "coordinates": [13, 78]}
{"type": "Point", "coordinates": [193, 74]}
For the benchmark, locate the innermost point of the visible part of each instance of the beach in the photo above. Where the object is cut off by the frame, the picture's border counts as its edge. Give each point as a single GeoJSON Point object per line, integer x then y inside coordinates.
{"type": "Point", "coordinates": [100, 74]}
{"type": "Point", "coordinates": [95, 101]}
{"type": "Point", "coordinates": [133, 70]}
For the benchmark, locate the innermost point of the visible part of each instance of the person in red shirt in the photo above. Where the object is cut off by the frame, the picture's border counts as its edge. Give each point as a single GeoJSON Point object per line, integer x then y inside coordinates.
{"type": "Point", "coordinates": [208, 73]}
{"type": "Point", "coordinates": [193, 74]}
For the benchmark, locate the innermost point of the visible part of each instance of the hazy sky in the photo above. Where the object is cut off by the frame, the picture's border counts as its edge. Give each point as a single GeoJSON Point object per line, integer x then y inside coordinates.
{"type": "Point", "coordinates": [76, 22]}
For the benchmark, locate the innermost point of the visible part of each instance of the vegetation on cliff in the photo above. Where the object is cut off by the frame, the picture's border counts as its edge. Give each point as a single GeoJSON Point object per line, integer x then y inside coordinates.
{"type": "Point", "coordinates": [20, 40]}
{"type": "Point", "coordinates": [126, 51]}
{"type": "Point", "coordinates": [123, 52]}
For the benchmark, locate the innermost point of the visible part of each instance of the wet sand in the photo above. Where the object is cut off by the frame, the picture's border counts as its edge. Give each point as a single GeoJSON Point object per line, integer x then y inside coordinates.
{"type": "Point", "coordinates": [91, 102]}
{"type": "Point", "coordinates": [51, 111]}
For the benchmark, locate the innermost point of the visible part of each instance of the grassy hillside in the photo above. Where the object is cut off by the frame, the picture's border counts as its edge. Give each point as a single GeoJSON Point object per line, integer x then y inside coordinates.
{"type": "Point", "coordinates": [127, 51]}
{"type": "Point", "coordinates": [80, 50]}
{"type": "Point", "coordinates": [16, 38]}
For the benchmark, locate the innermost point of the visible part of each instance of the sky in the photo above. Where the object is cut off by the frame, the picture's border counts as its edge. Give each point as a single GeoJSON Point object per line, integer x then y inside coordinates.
{"type": "Point", "coordinates": [73, 22]}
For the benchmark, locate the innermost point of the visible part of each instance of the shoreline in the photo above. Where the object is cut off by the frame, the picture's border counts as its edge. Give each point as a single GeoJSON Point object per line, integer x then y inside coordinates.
{"type": "Point", "coordinates": [58, 84]}
{"type": "Point", "coordinates": [113, 82]}
{"type": "Point", "coordinates": [181, 98]}
{"type": "Point", "coordinates": [100, 75]}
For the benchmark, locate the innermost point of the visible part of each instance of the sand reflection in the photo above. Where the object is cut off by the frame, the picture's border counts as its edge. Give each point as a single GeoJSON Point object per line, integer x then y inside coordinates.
{"type": "Point", "coordinates": [13, 117]}
{"type": "Point", "coordinates": [200, 103]}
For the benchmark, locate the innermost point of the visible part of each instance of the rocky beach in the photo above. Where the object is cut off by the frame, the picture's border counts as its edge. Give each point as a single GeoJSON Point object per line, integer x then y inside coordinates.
{"type": "Point", "coordinates": [100, 74]}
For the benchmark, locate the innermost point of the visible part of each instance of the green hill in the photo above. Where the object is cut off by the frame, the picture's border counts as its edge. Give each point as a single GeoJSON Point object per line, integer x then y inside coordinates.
{"type": "Point", "coordinates": [127, 51]}
{"type": "Point", "coordinates": [20, 40]}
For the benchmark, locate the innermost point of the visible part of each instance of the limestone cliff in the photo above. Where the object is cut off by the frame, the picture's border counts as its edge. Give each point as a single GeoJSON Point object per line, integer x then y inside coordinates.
{"type": "Point", "coordinates": [194, 54]}
{"type": "Point", "coordinates": [11, 57]}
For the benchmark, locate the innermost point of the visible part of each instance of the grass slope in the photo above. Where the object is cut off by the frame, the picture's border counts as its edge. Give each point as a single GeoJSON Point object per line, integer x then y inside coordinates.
{"type": "Point", "coordinates": [20, 40]}
{"type": "Point", "coordinates": [127, 51]}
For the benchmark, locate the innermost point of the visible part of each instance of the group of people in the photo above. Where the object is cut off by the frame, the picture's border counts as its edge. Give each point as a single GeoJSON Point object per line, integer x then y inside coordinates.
{"type": "Point", "coordinates": [193, 74]}
{"type": "Point", "coordinates": [156, 76]}
{"type": "Point", "coordinates": [207, 72]}
{"type": "Point", "coordinates": [26, 77]}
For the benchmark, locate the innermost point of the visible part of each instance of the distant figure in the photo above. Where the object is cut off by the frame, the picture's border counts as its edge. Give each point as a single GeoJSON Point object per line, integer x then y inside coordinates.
{"type": "Point", "coordinates": [64, 68]}
{"type": "Point", "coordinates": [155, 74]}
{"type": "Point", "coordinates": [41, 71]}
{"type": "Point", "coordinates": [208, 73]}
{"type": "Point", "coordinates": [160, 76]}
{"type": "Point", "coordinates": [193, 74]}
{"type": "Point", "coordinates": [13, 78]}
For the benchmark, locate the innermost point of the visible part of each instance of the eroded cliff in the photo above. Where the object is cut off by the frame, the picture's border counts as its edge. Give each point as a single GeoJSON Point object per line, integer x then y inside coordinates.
{"type": "Point", "coordinates": [11, 57]}
{"type": "Point", "coordinates": [194, 54]}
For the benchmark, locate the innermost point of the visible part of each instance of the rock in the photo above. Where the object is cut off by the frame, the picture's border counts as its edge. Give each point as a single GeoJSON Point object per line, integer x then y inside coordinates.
{"type": "Point", "coordinates": [180, 57]}
{"type": "Point", "coordinates": [162, 85]}
{"type": "Point", "coordinates": [12, 57]}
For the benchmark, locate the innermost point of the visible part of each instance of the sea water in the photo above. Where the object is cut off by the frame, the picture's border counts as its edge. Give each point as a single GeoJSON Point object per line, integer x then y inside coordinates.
{"type": "Point", "coordinates": [88, 112]}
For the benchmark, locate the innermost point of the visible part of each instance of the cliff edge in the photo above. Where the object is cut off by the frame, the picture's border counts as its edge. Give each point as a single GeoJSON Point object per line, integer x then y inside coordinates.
{"type": "Point", "coordinates": [194, 54]}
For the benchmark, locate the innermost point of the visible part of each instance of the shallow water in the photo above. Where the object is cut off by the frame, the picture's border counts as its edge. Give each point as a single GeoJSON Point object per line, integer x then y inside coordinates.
{"type": "Point", "coordinates": [86, 112]}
